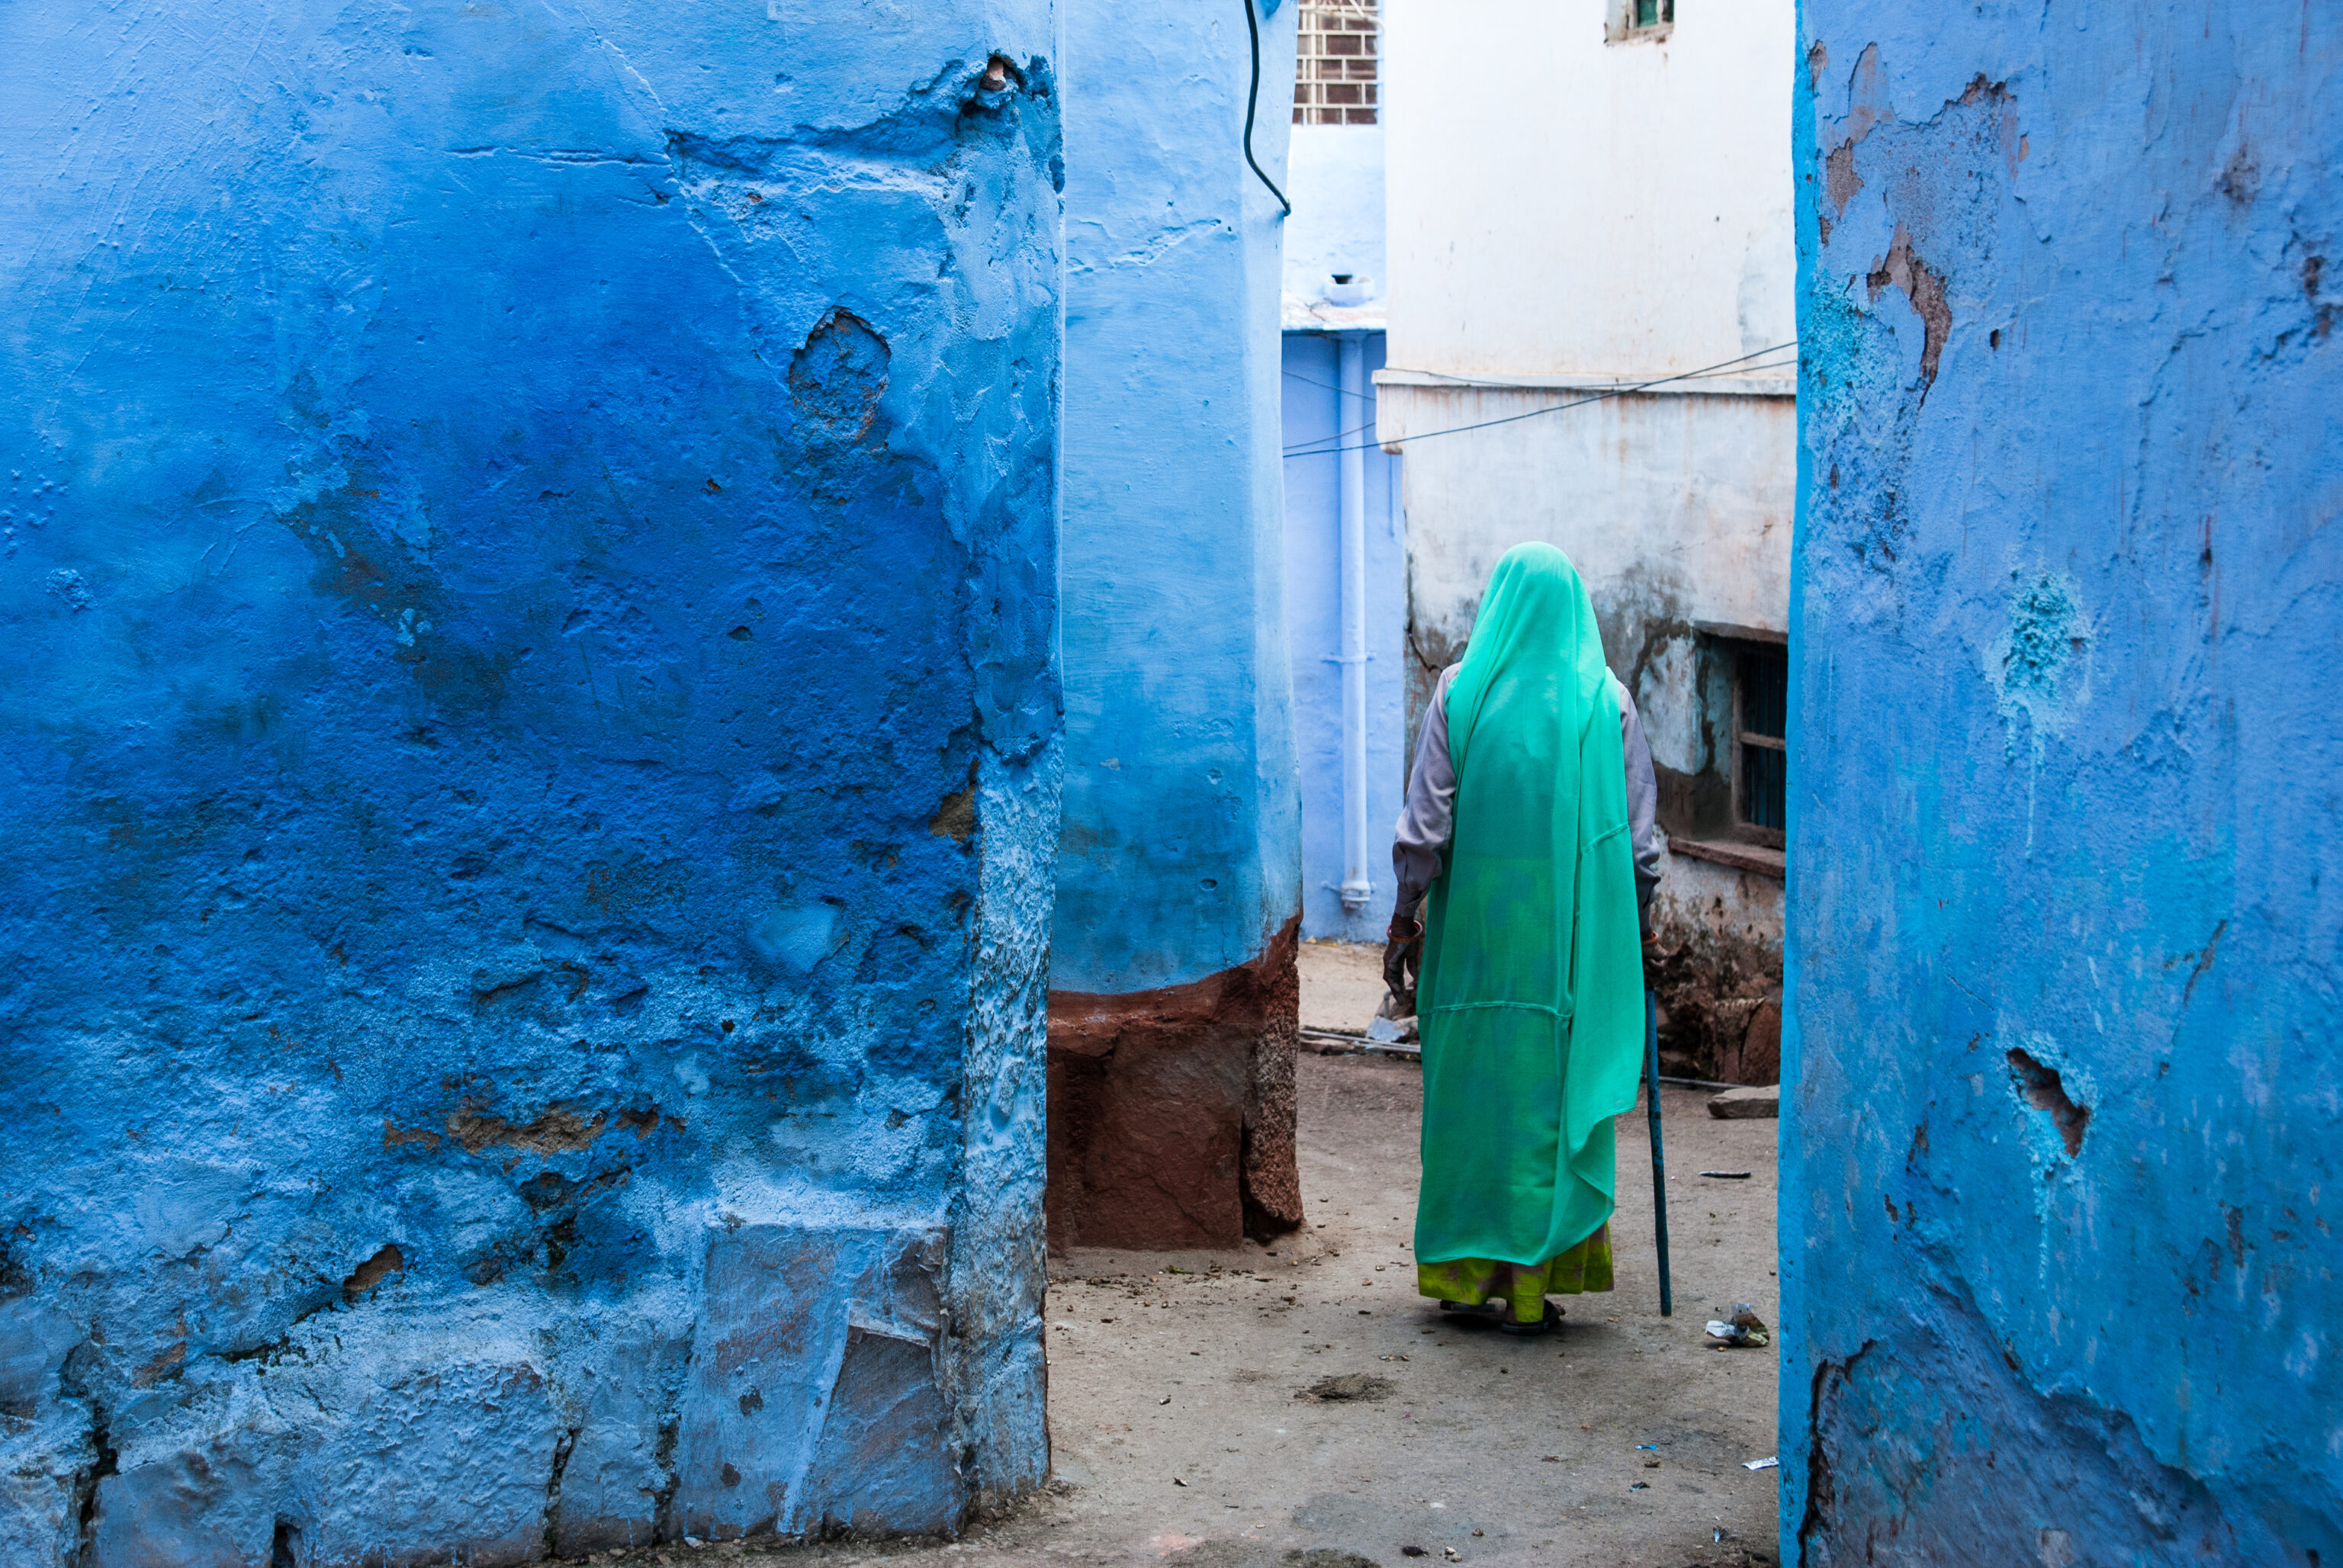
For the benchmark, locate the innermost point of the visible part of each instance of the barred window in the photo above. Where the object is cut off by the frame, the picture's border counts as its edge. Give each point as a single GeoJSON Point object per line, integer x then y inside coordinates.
{"type": "Point", "coordinates": [1334, 69]}
{"type": "Point", "coordinates": [1761, 702]}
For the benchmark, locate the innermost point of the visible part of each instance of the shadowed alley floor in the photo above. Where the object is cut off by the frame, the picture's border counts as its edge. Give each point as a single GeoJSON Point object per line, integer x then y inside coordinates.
{"type": "Point", "coordinates": [1185, 1428]}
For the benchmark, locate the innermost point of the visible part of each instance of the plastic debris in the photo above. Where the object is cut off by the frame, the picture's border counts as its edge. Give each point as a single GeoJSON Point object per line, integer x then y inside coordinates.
{"type": "Point", "coordinates": [1768, 1463]}
{"type": "Point", "coordinates": [1726, 1175]}
{"type": "Point", "coordinates": [1744, 1331]}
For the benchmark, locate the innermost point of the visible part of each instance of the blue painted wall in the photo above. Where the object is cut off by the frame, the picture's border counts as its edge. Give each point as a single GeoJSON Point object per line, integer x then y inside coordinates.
{"type": "Point", "coordinates": [531, 782]}
{"type": "Point", "coordinates": [1178, 858]}
{"type": "Point", "coordinates": [1318, 420]}
{"type": "Point", "coordinates": [1337, 186]}
{"type": "Point", "coordinates": [2065, 948]}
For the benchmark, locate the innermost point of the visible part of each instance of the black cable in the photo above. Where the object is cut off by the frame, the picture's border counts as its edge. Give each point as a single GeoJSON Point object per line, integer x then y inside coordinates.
{"type": "Point", "coordinates": [1556, 408]}
{"type": "Point", "coordinates": [1252, 96]}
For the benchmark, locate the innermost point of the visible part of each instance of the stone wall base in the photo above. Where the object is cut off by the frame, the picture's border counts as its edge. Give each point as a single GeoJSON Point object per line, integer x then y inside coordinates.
{"type": "Point", "coordinates": [1172, 1111]}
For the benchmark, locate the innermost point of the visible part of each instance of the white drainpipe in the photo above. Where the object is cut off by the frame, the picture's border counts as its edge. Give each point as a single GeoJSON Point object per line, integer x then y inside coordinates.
{"type": "Point", "coordinates": [1350, 405]}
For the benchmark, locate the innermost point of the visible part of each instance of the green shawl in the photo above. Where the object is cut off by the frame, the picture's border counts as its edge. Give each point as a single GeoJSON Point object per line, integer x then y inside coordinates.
{"type": "Point", "coordinates": [1532, 992]}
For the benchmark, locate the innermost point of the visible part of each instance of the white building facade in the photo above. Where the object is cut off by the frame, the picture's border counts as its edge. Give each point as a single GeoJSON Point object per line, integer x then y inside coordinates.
{"type": "Point", "coordinates": [1591, 341]}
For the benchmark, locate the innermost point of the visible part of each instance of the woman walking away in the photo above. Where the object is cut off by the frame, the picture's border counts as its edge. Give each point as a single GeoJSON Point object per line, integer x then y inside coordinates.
{"type": "Point", "coordinates": [1530, 816]}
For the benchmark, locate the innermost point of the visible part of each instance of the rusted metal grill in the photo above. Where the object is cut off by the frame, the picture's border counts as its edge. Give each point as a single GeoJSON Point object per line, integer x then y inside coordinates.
{"type": "Point", "coordinates": [1335, 68]}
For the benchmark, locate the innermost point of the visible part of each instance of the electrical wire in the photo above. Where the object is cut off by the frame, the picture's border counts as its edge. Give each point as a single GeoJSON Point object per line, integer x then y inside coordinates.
{"type": "Point", "coordinates": [1311, 381]}
{"type": "Point", "coordinates": [1307, 448]}
{"type": "Point", "coordinates": [1722, 368]}
{"type": "Point", "coordinates": [1303, 449]}
{"type": "Point", "coordinates": [1253, 98]}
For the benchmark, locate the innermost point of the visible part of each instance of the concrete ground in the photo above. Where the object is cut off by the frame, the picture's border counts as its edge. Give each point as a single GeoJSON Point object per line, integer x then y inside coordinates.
{"type": "Point", "coordinates": [1297, 1404]}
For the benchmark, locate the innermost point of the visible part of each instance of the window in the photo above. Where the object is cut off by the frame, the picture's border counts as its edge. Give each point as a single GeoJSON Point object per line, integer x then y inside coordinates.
{"type": "Point", "coordinates": [1731, 806]}
{"type": "Point", "coordinates": [1633, 20]}
{"type": "Point", "coordinates": [1334, 66]}
{"type": "Point", "coordinates": [1761, 708]}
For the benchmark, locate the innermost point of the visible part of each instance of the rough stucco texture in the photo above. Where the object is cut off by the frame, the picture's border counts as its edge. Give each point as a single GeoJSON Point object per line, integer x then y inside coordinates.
{"type": "Point", "coordinates": [1179, 857]}
{"type": "Point", "coordinates": [1181, 851]}
{"type": "Point", "coordinates": [2059, 1275]}
{"type": "Point", "coordinates": [531, 785]}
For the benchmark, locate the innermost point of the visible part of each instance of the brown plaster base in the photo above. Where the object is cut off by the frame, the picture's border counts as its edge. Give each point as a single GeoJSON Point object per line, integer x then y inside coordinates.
{"type": "Point", "coordinates": [1172, 1111]}
{"type": "Point", "coordinates": [1720, 1009]}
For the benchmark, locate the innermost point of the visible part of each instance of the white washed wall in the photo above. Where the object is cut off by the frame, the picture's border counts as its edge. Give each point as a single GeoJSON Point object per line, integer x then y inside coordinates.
{"type": "Point", "coordinates": [1562, 205]}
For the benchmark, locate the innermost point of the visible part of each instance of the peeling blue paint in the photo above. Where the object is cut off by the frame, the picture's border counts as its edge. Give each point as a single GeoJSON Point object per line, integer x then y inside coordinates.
{"type": "Point", "coordinates": [530, 584]}
{"type": "Point", "coordinates": [2060, 1062]}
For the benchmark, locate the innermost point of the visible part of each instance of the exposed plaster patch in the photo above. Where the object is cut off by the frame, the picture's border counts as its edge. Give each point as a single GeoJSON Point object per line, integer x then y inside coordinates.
{"type": "Point", "coordinates": [555, 1132]}
{"type": "Point", "coordinates": [1924, 285]}
{"type": "Point", "coordinates": [387, 1262]}
{"type": "Point", "coordinates": [1840, 180]}
{"type": "Point", "coordinates": [955, 817]}
{"type": "Point", "coordinates": [2046, 1091]}
{"type": "Point", "coordinates": [837, 378]}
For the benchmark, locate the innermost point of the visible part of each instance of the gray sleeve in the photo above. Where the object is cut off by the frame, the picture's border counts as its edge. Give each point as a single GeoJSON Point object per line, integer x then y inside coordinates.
{"type": "Point", "coordinates": [1428, 820]}
{"type": "Point", "coordinates": [1643, 801]}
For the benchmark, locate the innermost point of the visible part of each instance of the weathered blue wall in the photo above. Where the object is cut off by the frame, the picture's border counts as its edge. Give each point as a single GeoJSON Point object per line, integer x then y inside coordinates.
{"type": "Point", "coordinates": [2059, 1270]}
{"type": "Point", "coordinates": [531, 776]}
{"type": "Point", "coordinates": [1318, 420]}
{"type": "Point", "coordinates": [1172, 980]}
{"type": "Point", "coordinates": [1178, 856]}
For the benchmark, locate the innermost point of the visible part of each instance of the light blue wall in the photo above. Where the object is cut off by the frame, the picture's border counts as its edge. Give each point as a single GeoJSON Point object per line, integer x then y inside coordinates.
{"type": "Point", "coordinates": [531, 773]}
{"type": "Point", "coordinates": [1178, 856]}
{"type": "Point", "coordinates": [2063, 795]}
{"type": "Point", "coordinates": [1337, 179]}
{"type": "Point", "coordinates": [1319, 421]}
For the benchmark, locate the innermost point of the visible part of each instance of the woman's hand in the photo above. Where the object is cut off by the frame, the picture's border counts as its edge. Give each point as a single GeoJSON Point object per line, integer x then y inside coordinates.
{"type": "Point", "coordinates": [1403, 957]}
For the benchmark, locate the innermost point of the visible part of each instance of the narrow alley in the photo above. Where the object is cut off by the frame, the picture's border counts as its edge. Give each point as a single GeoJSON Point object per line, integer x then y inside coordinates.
{"type": "Point", "coordinates": [1224, 1409]}
{"type": "Point", "coordinates": [796, 780]}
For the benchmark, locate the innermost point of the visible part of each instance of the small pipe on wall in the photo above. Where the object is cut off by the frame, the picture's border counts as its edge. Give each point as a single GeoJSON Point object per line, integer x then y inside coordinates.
{"type": "Point", "coordinates": [1357, 887]}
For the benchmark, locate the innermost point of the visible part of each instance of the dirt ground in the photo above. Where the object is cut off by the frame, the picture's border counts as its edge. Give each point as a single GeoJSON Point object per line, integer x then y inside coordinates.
{"type": "Point", "coordinates": [1341, 984]}
{"type": "Point", "coordinates": [1298, 1405]}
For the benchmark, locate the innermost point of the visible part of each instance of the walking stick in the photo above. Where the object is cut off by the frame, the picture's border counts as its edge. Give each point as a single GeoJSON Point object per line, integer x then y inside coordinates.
{"type": "Point", "coordinates": [1659, 1162]}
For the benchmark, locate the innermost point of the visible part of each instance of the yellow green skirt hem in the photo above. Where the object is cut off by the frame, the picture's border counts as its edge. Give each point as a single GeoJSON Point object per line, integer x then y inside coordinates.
{"type": "Point", "coordinates": [1471, 1281]}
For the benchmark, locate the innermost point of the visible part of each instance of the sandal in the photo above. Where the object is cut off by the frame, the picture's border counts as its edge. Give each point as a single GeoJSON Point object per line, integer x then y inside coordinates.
{"type": "Point", "coordinates": [1490, 1310]}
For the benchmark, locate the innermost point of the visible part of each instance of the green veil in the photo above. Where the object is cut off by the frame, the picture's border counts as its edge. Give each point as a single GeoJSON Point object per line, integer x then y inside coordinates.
{"type": "Point", "coordinates": [1532, 992]}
